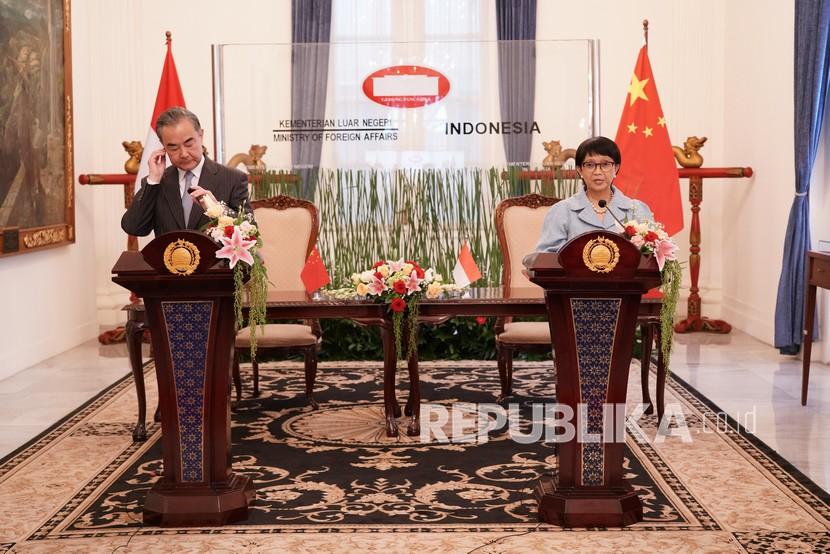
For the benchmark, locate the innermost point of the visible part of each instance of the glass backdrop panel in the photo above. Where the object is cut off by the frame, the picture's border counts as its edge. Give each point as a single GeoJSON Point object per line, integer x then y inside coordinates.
{"type": "Point", "coordinates": [392, 105]}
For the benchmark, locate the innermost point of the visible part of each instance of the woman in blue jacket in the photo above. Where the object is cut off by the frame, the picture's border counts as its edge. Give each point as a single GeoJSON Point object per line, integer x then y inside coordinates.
{"type": "Point", "coordinates": [597, 162]}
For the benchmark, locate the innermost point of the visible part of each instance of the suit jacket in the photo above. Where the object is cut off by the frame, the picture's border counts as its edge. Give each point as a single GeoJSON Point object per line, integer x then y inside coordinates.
{"type": "Point", "coordinates": [158, 208]}
{"type": "Point", "coordinates": [574, 216]}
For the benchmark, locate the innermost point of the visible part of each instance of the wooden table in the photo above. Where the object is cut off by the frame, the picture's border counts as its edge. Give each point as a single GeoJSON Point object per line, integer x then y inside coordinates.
{"type": "Point", "coordinates": [817, 275]}
{"type": "Point", "coordinates": [488, 302]}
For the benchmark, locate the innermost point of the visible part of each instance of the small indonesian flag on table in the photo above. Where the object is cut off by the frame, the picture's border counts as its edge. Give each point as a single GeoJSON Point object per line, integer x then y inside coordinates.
{"type": "Point", "coordinates": [465, 271]}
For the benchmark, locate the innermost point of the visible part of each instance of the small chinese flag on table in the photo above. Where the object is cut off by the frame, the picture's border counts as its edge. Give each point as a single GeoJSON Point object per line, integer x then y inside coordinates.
{"type": "Point", "coordinates": [314, 274]}
{"type": "Point", "coordinates": [465, 271]}
{"type": "Point", "coordinates": [648, 171]}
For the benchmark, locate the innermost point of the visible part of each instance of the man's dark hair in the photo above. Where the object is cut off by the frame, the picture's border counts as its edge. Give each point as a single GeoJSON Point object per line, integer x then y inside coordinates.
{"type": "Point", "coordinates": [173, 116]}
{"type": "Point", "coordinates": [598, 145]}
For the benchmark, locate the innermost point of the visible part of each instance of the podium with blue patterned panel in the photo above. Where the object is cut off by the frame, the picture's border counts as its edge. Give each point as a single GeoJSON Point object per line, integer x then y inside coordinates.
{"type": "Point", "coordinates": [188, 299]}
{"type": "Point", "coordinates": [592, 288]}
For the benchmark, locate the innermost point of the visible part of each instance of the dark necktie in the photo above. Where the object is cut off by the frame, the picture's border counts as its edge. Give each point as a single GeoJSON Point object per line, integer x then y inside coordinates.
{"type": "Point", "coordinates": [187, 200]}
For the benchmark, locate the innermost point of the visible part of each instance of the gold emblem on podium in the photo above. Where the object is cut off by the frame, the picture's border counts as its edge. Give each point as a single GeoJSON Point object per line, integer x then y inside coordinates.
{"type": "Point", "coordinates": [181, 257]}
{"type": "Point", "coordinates": [601, 255]}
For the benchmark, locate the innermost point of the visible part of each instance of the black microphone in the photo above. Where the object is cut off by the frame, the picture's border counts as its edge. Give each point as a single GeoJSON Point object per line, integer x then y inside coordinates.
{"type": "Point", "coordinates": [602, 204]}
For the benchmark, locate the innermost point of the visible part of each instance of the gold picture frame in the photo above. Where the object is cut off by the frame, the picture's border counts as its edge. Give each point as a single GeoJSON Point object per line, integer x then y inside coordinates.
{"type": "Point", "coordinates": [37, 201]}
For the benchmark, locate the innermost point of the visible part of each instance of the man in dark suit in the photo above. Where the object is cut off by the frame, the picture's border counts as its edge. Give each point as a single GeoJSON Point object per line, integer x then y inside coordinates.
{"type": "Point", "coordinates": [169, 198]}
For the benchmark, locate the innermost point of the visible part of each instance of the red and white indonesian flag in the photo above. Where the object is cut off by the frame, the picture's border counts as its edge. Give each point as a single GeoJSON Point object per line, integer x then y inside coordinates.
{"type": "Point", "coordinates": [169, 95]}
{"type": "Point", "coordinates": [466, 271]}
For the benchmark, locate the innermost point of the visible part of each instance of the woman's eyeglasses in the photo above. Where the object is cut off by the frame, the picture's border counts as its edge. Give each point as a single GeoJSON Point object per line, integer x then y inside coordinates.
{"type": "Point", "coordinates": [591, 166]}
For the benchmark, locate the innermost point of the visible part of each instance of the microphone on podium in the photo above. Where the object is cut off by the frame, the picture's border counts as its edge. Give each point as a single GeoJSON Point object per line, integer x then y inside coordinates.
{"type": "Point", "coordinates": [602, 204]}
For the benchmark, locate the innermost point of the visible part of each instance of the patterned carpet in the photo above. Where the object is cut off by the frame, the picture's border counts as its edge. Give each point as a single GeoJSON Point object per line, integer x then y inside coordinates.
{"type": "Point", "coordinates": [331, 481]}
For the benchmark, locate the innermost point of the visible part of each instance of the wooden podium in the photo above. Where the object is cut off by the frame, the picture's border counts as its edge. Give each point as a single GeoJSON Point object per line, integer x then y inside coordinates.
{"type": "Point", "coordinates": [592, 292]}
{"type": "Point", "coordinates": [189, 305]}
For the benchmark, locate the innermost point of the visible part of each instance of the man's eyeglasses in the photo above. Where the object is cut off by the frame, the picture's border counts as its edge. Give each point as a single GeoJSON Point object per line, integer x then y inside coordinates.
{"type": "Point", "coordinates": [591, 166]}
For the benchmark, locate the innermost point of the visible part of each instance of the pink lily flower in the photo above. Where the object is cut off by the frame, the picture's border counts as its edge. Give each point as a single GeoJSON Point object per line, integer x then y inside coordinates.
{"type": "Point", "coordinates": [413, 284]}
{"type": "Point", "coordinates": [665, 250]}
{"type": "Point", "coordinates": [235, 248]}
{"type": "Point", "coordinates": [376, 286]}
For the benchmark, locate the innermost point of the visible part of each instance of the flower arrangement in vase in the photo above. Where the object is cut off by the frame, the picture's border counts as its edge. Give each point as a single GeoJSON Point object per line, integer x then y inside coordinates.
{"type": "Point", "coordinates": [652, 239]}
{"type": "Point", "coordinates": [240, 240]}
{"type": "Point", "coordinates": [400, 284]}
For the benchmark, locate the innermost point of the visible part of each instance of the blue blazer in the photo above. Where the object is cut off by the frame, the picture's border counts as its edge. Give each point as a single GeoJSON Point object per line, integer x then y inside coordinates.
{"type": "Point", "coordinates": [575, 215]}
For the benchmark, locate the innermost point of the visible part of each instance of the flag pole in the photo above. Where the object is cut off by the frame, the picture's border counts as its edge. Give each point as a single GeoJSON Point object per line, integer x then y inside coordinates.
{"type": "Point", "coordinates": [645, 30]}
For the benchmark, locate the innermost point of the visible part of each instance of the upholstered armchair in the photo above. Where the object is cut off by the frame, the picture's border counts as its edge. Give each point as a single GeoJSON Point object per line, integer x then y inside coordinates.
{"type": "Point", "coordinates": [289, 231]}
{"type": "Point", "coordinates": [518, 226]}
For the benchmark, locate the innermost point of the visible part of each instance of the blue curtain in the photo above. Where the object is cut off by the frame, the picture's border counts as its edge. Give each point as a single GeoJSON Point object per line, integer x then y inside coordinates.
{"type": "Point", "coordinates": [516, 33]}
{"type": "Point", "coordinates": [310, 33]}
{"type": "Point", "coordinates": [812, 61]}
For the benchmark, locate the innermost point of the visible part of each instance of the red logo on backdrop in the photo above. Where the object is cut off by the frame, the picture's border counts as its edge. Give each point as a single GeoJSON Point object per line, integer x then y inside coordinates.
{"type": "Point", "coordinates": [406, 86]}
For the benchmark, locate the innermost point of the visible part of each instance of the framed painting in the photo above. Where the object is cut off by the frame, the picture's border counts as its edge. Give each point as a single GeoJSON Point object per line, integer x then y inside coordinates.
{"type": "Point", "coordinates": [37, 204]}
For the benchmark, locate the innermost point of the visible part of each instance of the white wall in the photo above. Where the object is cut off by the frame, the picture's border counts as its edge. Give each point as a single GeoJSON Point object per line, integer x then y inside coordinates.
{"type": "Point", "coordinates": [48, 299]}
{"type": "Point", "coordinates": [758, 92]}
{"type": "Point", "coordinates": [723, 69]}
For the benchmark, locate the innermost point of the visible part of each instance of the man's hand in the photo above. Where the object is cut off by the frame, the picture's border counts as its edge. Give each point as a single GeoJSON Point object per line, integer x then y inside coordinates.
{"type": "Point", "coordinates": [156, 165]}
{"type": "Point", "coordinates": [197, 192]}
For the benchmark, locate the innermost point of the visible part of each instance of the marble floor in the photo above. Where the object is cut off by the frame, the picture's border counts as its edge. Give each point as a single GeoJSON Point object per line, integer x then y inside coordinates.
{"type": "Point", "coordinates": [35, 398]}
{"type": "Point", "coordinates": [761, 389]}
{"type": "Point", "coordinates": [746, 378]}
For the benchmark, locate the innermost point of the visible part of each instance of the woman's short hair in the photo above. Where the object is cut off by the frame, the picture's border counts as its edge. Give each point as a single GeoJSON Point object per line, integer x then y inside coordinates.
{"type": "Point", "coordinates": [598, 145]}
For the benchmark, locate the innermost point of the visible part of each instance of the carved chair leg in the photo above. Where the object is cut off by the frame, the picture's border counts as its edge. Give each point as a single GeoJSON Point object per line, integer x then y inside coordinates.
{"type": "Point", "coordinates": [237, 379]}
{"type": "Point", "coordinates": [311, 375]}
{"type": "Point", "coordinates": [504, 356]}
{"type": "Point", "coordinates": [502, 371]}
{"type": "Point", "coordinates": [255, 366]}
{"type": "Point", "coordinates": [661, 376]}
{"type": "Point", "coordinates": [647, 334]}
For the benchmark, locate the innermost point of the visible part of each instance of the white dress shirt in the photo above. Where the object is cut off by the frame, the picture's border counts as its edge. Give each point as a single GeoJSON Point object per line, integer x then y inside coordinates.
{"type": "Point", "coordinates": [196, 171]}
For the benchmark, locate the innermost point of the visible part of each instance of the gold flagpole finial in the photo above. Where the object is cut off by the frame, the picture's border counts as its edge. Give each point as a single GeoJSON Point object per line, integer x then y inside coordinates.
{"type": "Point", "coordinates": [645, 30]}
{"type": "Point", "coordinates": [169, 36]}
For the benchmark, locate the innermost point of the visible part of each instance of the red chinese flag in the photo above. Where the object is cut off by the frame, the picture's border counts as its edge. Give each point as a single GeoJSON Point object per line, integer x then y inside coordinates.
{"type": "Point", "coordinates": [648, 171]}
{"type": "Point", "coordinates": [314, 274]}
